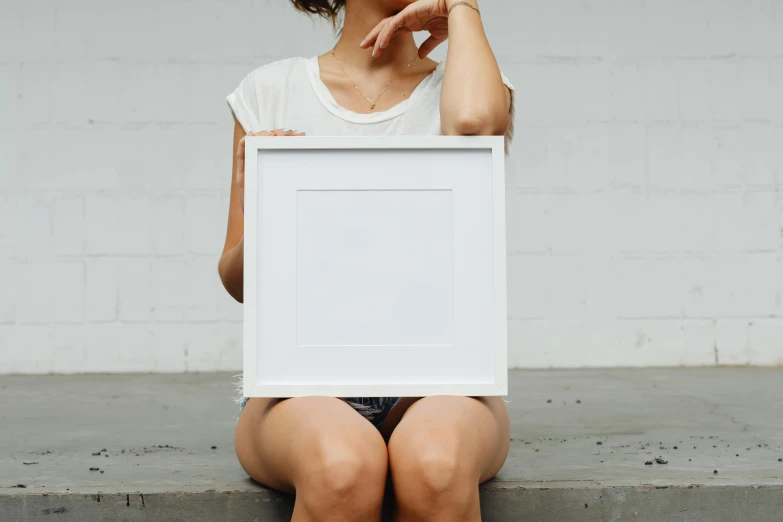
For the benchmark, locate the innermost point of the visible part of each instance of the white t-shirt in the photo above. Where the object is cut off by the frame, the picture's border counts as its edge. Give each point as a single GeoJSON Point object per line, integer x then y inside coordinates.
{"type": "Point", "coordinates": [290, 94]}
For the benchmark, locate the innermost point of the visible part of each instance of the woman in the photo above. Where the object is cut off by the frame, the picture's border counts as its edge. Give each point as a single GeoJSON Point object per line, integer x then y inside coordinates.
{"type": "Point", "coordinates": [436, 450]}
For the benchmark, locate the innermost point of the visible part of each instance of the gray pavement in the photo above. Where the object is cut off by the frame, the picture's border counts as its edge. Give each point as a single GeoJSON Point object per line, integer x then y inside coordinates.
{"type": "Point", "coordinates": [580, 457]}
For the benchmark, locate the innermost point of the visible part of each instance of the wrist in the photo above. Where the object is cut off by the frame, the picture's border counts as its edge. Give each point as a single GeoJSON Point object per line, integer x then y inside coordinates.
{"type": "Point", "coordinates": [449, 3]}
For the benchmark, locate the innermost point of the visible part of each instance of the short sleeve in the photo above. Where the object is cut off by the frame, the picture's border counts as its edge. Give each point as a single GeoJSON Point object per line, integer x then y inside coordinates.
{"type": "Point", "coordinates": [243, 102]}
{"type": "Point", "coordinates": [510, 132]}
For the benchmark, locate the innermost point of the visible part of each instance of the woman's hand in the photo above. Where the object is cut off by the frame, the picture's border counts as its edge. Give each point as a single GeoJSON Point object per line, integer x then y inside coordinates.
{"type": "Point", "coordinates": [240, 158]}
{"type": "Point", "coordinates": [422, 15]}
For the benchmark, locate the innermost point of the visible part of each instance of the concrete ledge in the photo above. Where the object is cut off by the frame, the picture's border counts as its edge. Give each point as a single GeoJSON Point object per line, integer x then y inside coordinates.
{"type": "Point", "coordinates": [689, 504]}
{"type": "Point", "coordinates": [570, 461]}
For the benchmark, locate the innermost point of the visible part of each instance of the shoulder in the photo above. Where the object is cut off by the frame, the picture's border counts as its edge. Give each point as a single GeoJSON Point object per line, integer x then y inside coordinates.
{"type": "Point", "coordinates": [274, 74]}
{"type": "Point", "coordinates": [261, 90]}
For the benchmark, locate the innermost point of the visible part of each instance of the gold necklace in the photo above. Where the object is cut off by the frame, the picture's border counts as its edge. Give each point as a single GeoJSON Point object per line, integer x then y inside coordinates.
{"type": "Point", "coordinates": [372, 103]}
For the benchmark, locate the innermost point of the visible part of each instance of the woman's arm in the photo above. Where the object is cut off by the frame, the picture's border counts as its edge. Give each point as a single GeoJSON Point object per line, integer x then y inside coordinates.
{"type": "Point", "coordinates": [232, 261]}
{"type": "Point", "coordinates": [473, 99]}
{"type": "Point", "coordinates": [231, 264]}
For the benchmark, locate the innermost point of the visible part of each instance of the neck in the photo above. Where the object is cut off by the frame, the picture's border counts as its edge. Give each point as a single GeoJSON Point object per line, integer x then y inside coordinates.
{"type": "Point", "coordinates": [360, 18]}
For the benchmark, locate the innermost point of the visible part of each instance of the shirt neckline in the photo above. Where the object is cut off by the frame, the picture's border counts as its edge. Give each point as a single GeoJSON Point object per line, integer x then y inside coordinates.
{"type": "Point", "coordinates": [328, 101]}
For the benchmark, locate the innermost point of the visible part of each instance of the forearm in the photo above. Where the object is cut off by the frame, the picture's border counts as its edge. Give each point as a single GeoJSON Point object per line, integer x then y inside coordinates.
{"type": "Point", "coordinates": [473, 96]}
{"type": "Point", "coordinates": [231, 268]}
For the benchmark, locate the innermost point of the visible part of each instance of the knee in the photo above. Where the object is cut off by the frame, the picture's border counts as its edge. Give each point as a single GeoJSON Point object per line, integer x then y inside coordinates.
{"type": "Point", "coordinates": [344, 479]}
{"type": "Point", "coordinates": [430, 475]}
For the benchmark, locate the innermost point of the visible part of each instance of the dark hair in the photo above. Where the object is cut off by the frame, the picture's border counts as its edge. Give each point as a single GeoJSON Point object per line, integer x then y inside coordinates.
{"type": "Point", "coordinates": [329, 9]}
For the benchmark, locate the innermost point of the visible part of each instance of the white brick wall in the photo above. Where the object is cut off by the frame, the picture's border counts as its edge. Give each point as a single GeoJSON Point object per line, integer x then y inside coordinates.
{"type": "Point", "coordinates": [644, 215]}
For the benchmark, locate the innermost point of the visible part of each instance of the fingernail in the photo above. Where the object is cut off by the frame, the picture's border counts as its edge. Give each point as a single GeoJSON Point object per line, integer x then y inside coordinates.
{"type": "Point", "coordinates": [286, 130]}
{"type": "Point", "coordinates": [361, 44]}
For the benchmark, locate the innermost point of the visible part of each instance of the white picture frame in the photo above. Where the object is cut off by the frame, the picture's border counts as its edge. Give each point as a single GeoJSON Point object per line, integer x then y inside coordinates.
{"type": "Point", "coordinates": [374, 266]}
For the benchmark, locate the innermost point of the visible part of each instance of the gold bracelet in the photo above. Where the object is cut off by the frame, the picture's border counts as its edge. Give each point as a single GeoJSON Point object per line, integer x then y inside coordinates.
{"type": "Point", "coordinates": [455, 4]}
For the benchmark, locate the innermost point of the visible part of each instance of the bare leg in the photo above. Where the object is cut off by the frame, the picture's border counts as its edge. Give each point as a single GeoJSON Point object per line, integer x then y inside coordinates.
{"type": "Point", "coordinates": [441, 450]}
{"type": "Point", "coordinates": [318, 447]}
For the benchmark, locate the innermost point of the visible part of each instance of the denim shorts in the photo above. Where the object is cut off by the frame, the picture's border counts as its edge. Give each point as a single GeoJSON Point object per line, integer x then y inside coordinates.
{"type": "Point", "coordinates": [374, 409]}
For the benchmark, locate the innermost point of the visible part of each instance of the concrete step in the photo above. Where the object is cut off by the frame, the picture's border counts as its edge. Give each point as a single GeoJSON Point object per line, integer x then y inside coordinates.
{"type": "Point", "coordinates": [154, 435]}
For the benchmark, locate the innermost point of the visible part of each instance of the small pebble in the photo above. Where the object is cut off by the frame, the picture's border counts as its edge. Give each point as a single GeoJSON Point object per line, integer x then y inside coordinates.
{"type": "Point", "coordinates": [599, 443]}
{"type": "Point", "coordinates": [94, 469]}
{"type": "Point", "coordinates": [715, 472]}
{"type": "Point", "coordinates": [27, 463]}
{"type": "Point", "coordinates": [97, 453]}
{"type": "Point", "coordinates": [214, 447]}
{"type": "Point", "coordinates": [675, 447]}
{"type": "Point", "coordinates": [578, 401]}
{"type": "Point", "coordinates": [659, 460]}
{"type": "Point", "coordinates": [101, 471]}
{"type": "Point", "coordinates": [780, 460]}
{"type": "Point", "coordinates": [648, 463]}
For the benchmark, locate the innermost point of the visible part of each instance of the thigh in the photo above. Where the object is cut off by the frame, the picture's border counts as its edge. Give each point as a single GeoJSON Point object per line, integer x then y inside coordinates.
{"type": "Point", "coordinates": [275, 439]}
{"type": "Point", "coordinates": [479, 426]}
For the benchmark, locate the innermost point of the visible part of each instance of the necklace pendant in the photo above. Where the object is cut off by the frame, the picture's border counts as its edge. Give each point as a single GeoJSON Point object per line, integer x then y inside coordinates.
{"type": "Point", "coordinates": [372, 106]}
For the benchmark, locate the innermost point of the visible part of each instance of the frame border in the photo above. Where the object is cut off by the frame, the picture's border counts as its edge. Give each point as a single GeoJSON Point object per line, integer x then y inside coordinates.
{"type": "Point", "coordinates": [250, 387]}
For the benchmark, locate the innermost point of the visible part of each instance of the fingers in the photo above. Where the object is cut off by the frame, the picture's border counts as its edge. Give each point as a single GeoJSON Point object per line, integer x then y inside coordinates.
{"type": "Point", "coordinates": [285, 132]}
{"type": "Point", "coordinates": [276, 132]}
{"type": "Point", "coordinates": [240, 157]}
{"type": "Point", "coordinates": [240, 154]}
{"type": "Point", "coordinates": [388, 31]}
{"type": "Point", "coordinates": [383, 37]}
{"type": "Point", "coordinates": [292, 132]}
{"type": "Point", "coordinates": [428, 45]}
{"type": "Point", "coordinates": [369, 40]}
{"type": "Point", "coordinates": [382, 33]}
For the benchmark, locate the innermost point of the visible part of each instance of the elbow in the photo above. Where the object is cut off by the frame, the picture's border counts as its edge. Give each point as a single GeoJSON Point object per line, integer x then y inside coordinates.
{"type": "Point", "coordinates": [479, 125]}
{"type": "Point", "coordinates": [229, 283]}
